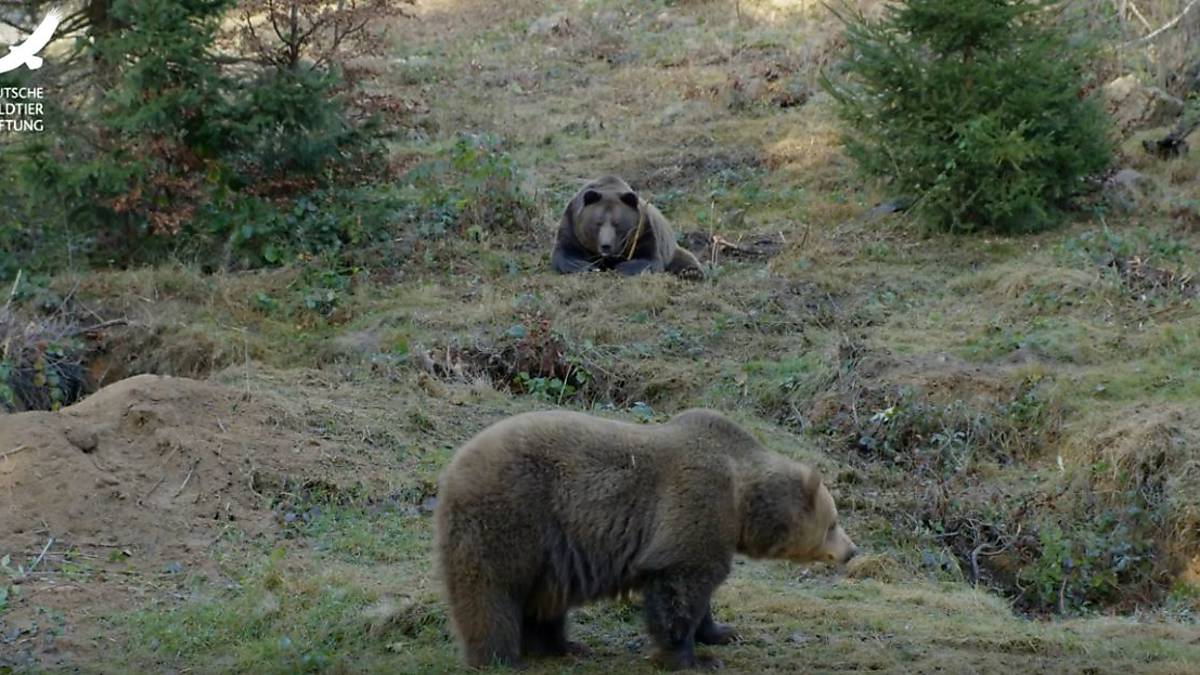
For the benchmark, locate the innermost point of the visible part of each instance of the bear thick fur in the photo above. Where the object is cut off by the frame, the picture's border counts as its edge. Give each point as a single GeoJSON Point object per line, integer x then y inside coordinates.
{"type": "Point", "coordinates": [607, 226]}
{"type": "Point", "coordinates": [545, 511]}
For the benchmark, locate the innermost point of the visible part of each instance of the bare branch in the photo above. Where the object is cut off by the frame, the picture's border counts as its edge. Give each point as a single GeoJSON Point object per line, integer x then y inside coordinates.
{"type": "Point", "coordinates": [1164, 28]}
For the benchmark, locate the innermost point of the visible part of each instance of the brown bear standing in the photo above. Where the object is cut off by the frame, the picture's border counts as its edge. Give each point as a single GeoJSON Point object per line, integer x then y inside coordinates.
{"type": "Point", "coordinates": [545, 511]}
{"type": "Point", "coordinates": [608, 227]}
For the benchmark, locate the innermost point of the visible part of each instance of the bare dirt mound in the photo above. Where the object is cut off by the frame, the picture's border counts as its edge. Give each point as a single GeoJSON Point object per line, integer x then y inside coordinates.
{"type": "Point", "coordinates": [133, 485]}
{"type": "Point", "coordinates": [154, 465]}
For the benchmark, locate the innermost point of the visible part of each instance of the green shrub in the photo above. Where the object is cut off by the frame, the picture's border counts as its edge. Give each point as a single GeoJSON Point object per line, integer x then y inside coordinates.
{"type": "Point", "coordinates": [292, 122]}
{"type": "Point", "coordinates": [1103, 559]}
{"type": "Point", "coordinates": [257, 231]}
{"type": "Point", "coordinates": [474, 189]}
{"type": "Point", "coordinates": [976, 108]}
{"type": "Point", "coordinates": [936, 438]}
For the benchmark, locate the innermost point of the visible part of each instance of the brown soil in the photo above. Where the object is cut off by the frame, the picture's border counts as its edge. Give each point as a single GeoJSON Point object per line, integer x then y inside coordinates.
{"type": "Point", "coordinates": [134, 486]}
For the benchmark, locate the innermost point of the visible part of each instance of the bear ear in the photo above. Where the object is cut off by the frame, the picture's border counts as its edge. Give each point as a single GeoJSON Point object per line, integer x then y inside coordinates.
{"type": "Point", "coordinates": [630, 199]}
{"type": "Point", "coordinates": [590, 197]}
{"type": "Point", "coordinates": [812, 485]}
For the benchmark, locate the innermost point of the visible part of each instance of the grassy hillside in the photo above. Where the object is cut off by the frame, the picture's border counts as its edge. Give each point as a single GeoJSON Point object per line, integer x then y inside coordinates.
{"type": "Point", "coordinates": [1009, 424]}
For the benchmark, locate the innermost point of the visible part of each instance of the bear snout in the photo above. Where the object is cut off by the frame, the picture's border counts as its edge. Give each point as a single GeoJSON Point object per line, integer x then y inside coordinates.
{"type": "Point", "coordinates": [606, 240]}
{"type": "Point", "coordinates": [851, 553]}
{"type": "Point", "coordinates": [840, 548]}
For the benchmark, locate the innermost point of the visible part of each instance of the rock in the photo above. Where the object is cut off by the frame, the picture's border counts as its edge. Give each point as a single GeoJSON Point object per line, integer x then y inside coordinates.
{"type": "Point", "coordinates": [1129, 190]}
{"type": "Point", "coordinates": [558, 23]}
{"type": "Point", "coordinates": [888, 207]}
{"type": "Point", "coordinates": [82, 437]}
{"type": "Point", "coordinates": [1135, 105]}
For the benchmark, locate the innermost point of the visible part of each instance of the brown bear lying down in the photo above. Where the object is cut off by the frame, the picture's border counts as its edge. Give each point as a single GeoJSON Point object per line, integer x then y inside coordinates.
{"type": "Point", "coordinates": [545, 511]}
{"type": "Point", "coordinates": [606, 226]}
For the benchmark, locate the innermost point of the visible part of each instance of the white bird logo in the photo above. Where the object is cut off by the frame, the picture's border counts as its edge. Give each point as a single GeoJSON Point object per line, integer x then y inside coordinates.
{"type": "Point", "coordinates": [25, 54]}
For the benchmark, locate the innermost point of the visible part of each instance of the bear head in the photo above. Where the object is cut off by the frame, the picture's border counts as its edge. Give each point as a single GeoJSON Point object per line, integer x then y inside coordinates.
{"type": "Point", "coordinates": [606, 215]}
{"type": "Point", "coordinates": [788, 513]}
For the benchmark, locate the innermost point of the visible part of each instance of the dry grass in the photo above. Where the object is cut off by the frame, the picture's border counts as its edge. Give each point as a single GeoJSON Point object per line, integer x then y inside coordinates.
{"type": "Point", "coordinates": [1154, 452]}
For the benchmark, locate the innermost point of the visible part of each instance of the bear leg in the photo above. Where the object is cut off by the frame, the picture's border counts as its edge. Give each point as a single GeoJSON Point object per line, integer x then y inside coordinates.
{"type": "Point", "coordinates": [631, 268]}
{"type": "Point", "coordinates": [712, 633]}
{"type": "Point", "coordinates": [674, 607]}
{"type": "Point", "coordinates": [685, 264]}
{"type": "Point", "coordinates": [566, 261]}
{"type": "Point", "coordinates": [489, 625]}
{"type": "Point", "coordinates": [549, 638]}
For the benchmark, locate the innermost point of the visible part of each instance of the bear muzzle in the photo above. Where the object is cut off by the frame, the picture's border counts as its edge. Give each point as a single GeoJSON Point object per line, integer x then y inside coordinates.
{"type": "Point", "coordinates": [839, 547]}
{"type": "Point", "coordinates": [850, 554]}
{"type": "Point", "coordinates": [606, 240]}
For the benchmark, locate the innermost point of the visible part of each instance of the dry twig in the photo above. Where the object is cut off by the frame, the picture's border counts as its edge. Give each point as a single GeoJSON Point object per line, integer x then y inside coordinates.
{"type": "Point", "coordinates": [186, 478]}
{"type": "Point", "coordinates": [14, 451]}
{"type": "Point", "coordinates": [13, 293]}
{"type": "Point", "coordinates": [49, 543]}
{"type": "Point", "coordinates": [100, 326]}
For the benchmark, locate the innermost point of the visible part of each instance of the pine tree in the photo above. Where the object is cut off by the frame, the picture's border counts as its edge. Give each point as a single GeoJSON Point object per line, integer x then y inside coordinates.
{"type": "Point", "coordinates": [974, 108]}
{"type": "Point", "coordinates": [185, 144]}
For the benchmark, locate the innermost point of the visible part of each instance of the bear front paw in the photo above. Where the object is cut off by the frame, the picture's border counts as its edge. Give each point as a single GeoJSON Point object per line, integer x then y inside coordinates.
{"type": "Point", "coordinates": [715, 634]}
